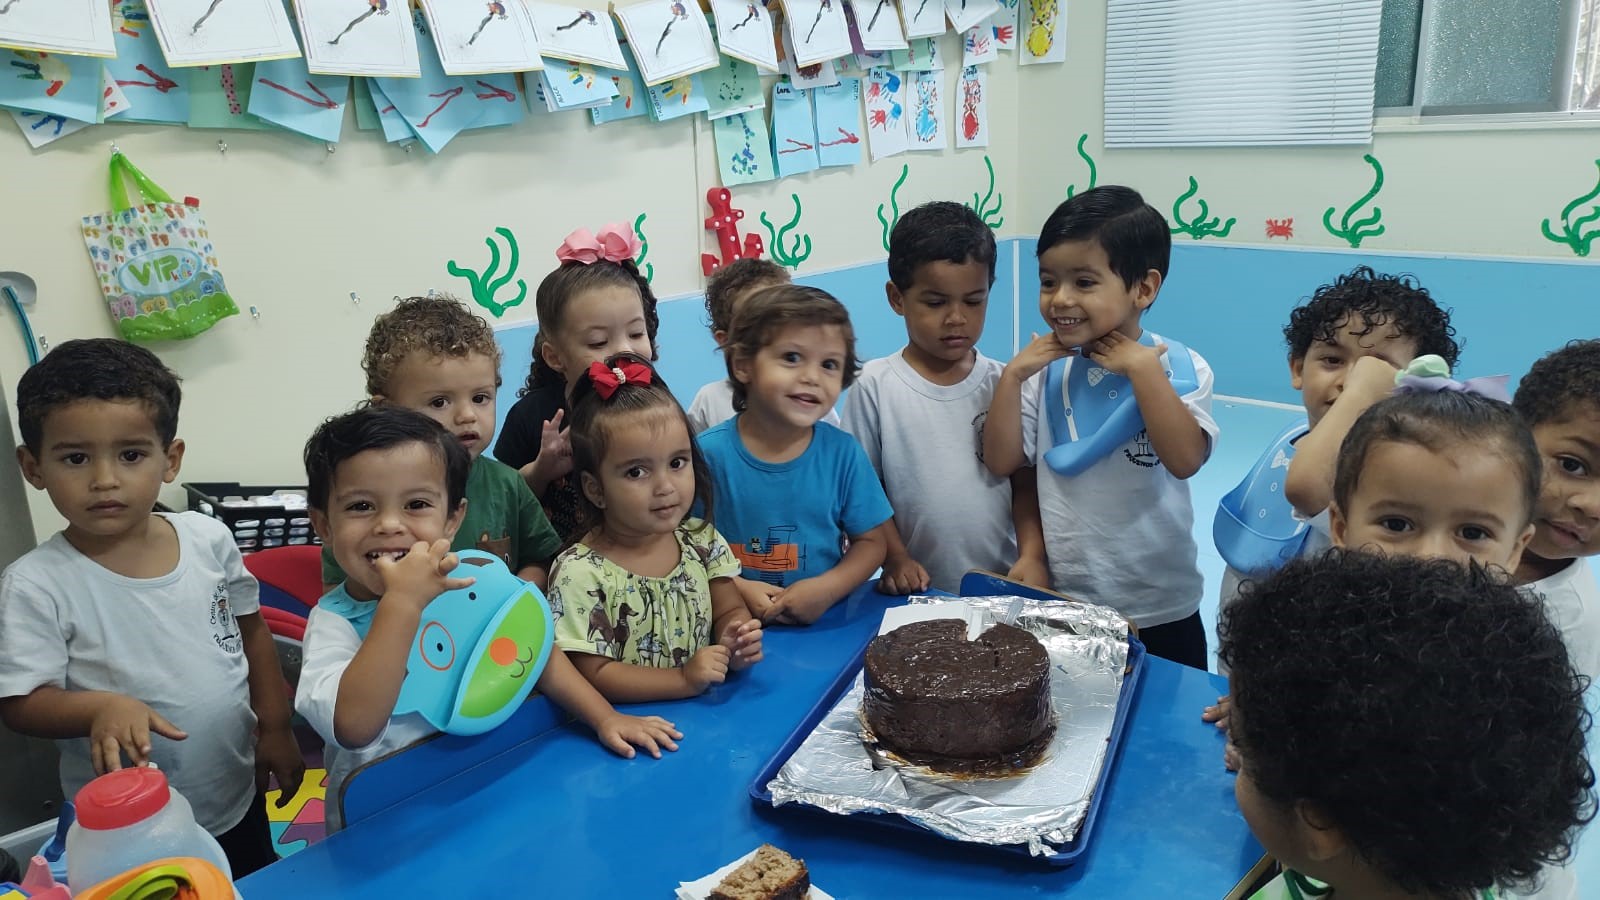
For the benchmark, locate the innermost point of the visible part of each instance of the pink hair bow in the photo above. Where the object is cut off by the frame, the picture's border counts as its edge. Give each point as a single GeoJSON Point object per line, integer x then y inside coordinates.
{"type": "Point", "coordinates": [615, 242]}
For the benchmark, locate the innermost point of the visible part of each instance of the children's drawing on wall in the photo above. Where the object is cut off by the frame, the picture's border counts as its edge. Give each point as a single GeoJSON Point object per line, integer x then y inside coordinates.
{"type": "Point", "coordinates": [1044, 40]}
{"type": "Point", "coordinates": [744, 154]}
{"type": "Point", "coordinates": [978, 46]}
{"type": "Point", "coordinates": [677, 98]}
{"type": "Point", "coordinates": [41, 129]}
{"type": "Point", "coordinates": [58, 26]}
{"type": "Point", "coordinates": [973, 108]}
{"type": "Point", "coordinates": [838, 117]}
{"type": "Point", "coordinates": [926, 123]}
{"type": "Point", "coordinates": [1354, 232]}
{"type": "Point", "coordinates": [886, 118]}
{"type": "Point", "coordinates": [218, 96]}
{"type": "Point", "coordinates": [289, 96]}
{"type": "Point", "coordinates": [794, 131]}
{"type": "Point", "coordinates": [1280, 228]}
{"type": "Point", "coordinates": [208, 32]}
{"type": "Point", "coordinates": [1577, 234]}
{"type": "Point", "coordinates": [113, 102]}
{"type": "Point", "coordinates": [487, 285]}
{"type": "Point", "coordinates": [67, 86]}
{"type": "Point", "coordinates": [571, 85]}
{"type": "Point", "coordinates": [578, 35]}
{"type": "Point", "coordinates": [817, 30]}
{"type": "Point", "coordinates": [156, 93]}
{"type": "Point", "coordinates": [744, 31]}
{"type": "Point", "coordinates": [669, 38]}
{"type": "Point", "coordinates": [432, 104]}
{"type": "Point", "coordinates": [966, 14]}
{"type": "Point", "coordinates": [922, 18]}
{"type": "Point", "coordinates": [813, 75]}
{"type": "Point", "coordinates": [919, 55]}
{"type": "Point", "coordinates": [733, 87]}
{"type": "Point", "coordinates": [1004, 23]}
{"type": "Point", "coordinates": [371, 38]}
{"type": "Point", "coordinates": [483, 38]}
{"type": "Point", "coordinates": [1198, 226]}
{"type": "Point", "coordinates": [877, 25]}
{"type": "Point", "coordinates": [629, 103]}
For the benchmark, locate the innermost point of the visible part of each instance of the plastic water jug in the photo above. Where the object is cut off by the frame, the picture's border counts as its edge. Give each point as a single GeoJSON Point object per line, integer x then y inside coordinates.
{"type": "Point", "coordinates": [128, 818]}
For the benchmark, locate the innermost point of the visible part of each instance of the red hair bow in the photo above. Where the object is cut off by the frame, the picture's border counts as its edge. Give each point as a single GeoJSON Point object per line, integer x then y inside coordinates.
{"type": "Point", "coordinates": [607, 379]}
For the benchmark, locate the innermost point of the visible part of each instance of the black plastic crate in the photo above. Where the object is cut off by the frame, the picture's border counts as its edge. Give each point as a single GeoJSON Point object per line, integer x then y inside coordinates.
{"type": "Point", "coordinates": [254, 527]}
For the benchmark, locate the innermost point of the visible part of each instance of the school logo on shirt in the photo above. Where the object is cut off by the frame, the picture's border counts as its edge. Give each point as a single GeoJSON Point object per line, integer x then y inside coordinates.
{"type": "Point", "coordinates": [1141, 453]}
{"type": "Point", "coordinates": [224, 630]}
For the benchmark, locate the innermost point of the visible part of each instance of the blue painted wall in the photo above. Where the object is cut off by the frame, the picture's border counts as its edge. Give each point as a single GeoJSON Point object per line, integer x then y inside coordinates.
{"type": "Point", "coordinates": [1230, 305]}
{"type": "Point", "coordinates": [689, 357]}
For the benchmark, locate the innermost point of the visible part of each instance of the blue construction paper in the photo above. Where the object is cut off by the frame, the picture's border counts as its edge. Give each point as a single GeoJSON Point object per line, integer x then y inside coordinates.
{"type": "Point", "coordinates": [155, 92]}
{"type": "Point", "coordinates": [436, 106]}
{"type": "Point", "coordinates": [499, 98]}
{"type": "Point", "coordinates": [838, 114]}
{"type": "Point", "coordinates": [66, 86]}
{"type": "Point", "coordinates": [794, 133]}
{"type": "Point", "coordinates": [678, 97]}
{"type": "Point", "coordinates": [366, 108]}
{"type": "Point", "coordinates": [287, 95]}
{"type": "Point", "coordinates": [734, 86]}
{"type": "Point", "coordinates": [570, 85]}
{"type": "Point", "coordinates": [219, 96]}
{"type": "Point", "coordinates": [744, 154]}
{"type": "Point", "coordinates": [395, 128]}
{"type": "Point", "coordinates": [631, 100]}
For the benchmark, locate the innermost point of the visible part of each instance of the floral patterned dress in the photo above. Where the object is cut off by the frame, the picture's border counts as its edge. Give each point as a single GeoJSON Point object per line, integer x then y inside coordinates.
{"type": "Point", "coordinates": [603, 609]}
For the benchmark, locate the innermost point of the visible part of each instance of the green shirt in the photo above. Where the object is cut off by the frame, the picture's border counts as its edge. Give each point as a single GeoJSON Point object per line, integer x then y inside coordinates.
{"type": "Point", "coordinates": [503, 518]}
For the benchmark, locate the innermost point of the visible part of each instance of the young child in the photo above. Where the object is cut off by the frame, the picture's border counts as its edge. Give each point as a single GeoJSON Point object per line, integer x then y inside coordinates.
{"type": "Point", "coordinates": [725, 290]}
{"type": "Point", "coordinates": [595, 305]}
{"type": "Point", "coordinates": [648, 607]}
{"type": "Point", "coordinates": [387, 491]}
{"type": "Point", "coordinates": [1441, 751]}
{"type": "Point", "coordinates": [1559, 398]}
{"type": "Point", "coordinates": [133, 634]}
{"type": "Point", "coordinates": [1361, 314]}
{"type": "Point", "coordinates": [1119, 532]}
{"type": "Point", "coordinates": [431, 354]}
{"type": "Point", "coordinates": [919, 414]}
{"type": "Point", "coordinates": [1437, 470]}
{"type": "Point", "coordinates": [1355, 367]}
{"type": "Point", "coordinates": [789, 490]}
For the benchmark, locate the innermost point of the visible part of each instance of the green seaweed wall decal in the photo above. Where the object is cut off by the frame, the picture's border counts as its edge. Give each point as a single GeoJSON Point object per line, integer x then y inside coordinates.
{"type": "Point", "coordinates": [792, 256]}
{"type": "Point", "coordinates": [649, 269]}
{"type": "Point", "coordinates": [1198, 227]}
{"type": "Point", "coordinates": [980, 205]}
{"type": "Point", "coordinates": [888, 222]}
{"type": "Point", "coordinates": [484, 285]}
{"type": "Point", "coordinates": [1355, 232]}
{"type": "Point", "coordinates": [1094, 173]}
{"type": "Point", "coordinates": [1572, 230]}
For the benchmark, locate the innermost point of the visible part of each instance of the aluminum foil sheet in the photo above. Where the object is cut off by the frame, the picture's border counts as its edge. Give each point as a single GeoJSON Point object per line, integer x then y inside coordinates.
{"type": "Point", "coordinates": [835, 769]}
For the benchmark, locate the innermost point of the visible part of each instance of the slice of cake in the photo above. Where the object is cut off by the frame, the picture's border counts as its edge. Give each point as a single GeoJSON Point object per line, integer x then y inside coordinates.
{"type": "Point", "coordinates": [770, 874]}
{"type": "Point", "coordinates": [931, 692]}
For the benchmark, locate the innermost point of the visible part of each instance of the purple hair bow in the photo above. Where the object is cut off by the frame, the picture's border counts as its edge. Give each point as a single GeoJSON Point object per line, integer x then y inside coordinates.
{"type": "Point", "coordinates": [1431, 373]}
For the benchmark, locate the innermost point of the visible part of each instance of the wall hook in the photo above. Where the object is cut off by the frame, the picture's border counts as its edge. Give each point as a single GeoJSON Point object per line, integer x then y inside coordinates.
{"type": "Point", "coordinates": [332, 147]}
{"type": "Point", "coordinates": [354, 299]}
{"type": "Point", "coordinates": [255, 313]}
{"type": "Point", "coordinates": [44, 345]}
{"type": "Point", "coordinates": [222, 147]}
{"type": "Point", "coordinates": [115, 149]}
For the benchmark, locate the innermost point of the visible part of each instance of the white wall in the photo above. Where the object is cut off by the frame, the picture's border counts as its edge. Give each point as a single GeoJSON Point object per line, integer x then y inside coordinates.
{"type": "Point", "coordinates": [1451, 191]}
{"type": "Point", "coordinates": [298, 229]}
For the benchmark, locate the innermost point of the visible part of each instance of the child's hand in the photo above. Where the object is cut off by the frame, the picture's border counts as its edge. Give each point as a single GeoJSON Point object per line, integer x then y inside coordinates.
{"type": "Point", "coordinates": [620, 733]}
{"type": "Point", "coordinates": [801, 603]}
{"type": "Point", "coordinates": [902, 575]}
{"type": "Point", "coordinates": [277, 753]}
{"type": "Point", "coordinates": [422, 574]}
{"type": "Point", "coordinates": [1116, 352]}
{"type": "Point", "coordinates": [708, 666]}
{"type": "Point", "coordinates": [1040, 352]}
{"type": "Point", "coordinates": [555, 454]}
{"type": "Point", "coordinates": [1030, 570]}
{"type": "Point", "coordinates": [743, 641]}
{"type": "Point", "coordinates": [123, 725]}
{"type": "Point", "coordinates": [757, 596]}
{"type": "Point", "coordinates": [1220, 714]}
{"type": "Point", "coordinates": [1371, 377]}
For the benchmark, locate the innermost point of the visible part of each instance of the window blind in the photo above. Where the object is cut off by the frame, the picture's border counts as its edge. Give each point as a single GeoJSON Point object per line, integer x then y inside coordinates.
{"type": "Point", "coordinates": [1240, 72]}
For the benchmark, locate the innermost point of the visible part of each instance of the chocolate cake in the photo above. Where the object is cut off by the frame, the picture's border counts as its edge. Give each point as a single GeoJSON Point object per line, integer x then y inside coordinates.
{"type": "Point", "coordinates": [930, 692]}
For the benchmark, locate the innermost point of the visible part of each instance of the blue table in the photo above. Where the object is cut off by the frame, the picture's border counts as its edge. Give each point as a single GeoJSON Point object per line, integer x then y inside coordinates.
{"type": "Point", "coordinates": [551, 813]}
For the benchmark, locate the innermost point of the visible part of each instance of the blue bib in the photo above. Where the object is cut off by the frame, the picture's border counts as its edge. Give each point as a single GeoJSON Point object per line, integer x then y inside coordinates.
{"type": "Point", "coordinates": [478, 651]}
{"type": "Point", "coordinates": [1092, 410]}
{"type": "Point", "coordinates": [1256, 529]}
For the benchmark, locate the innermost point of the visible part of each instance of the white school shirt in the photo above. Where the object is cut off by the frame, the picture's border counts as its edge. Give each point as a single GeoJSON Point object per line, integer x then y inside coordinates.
{"type": "Point", "coordinates": [1572, 601]}
{"type": "Point", "coordinates": [926, 442]}
{"type": "Point", "coordinates": [713, 405]}
{"type": "Point", "coordinates": [1120, 533]}
{"type": "Point", "coordinates": [330, 643]}
{"type": "Point", "coordinates": [171, 642]}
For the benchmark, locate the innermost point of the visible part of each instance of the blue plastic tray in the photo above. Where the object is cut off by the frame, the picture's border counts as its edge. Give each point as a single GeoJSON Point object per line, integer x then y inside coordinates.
{"type": "Point", "coordinates": [1066, 854]}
